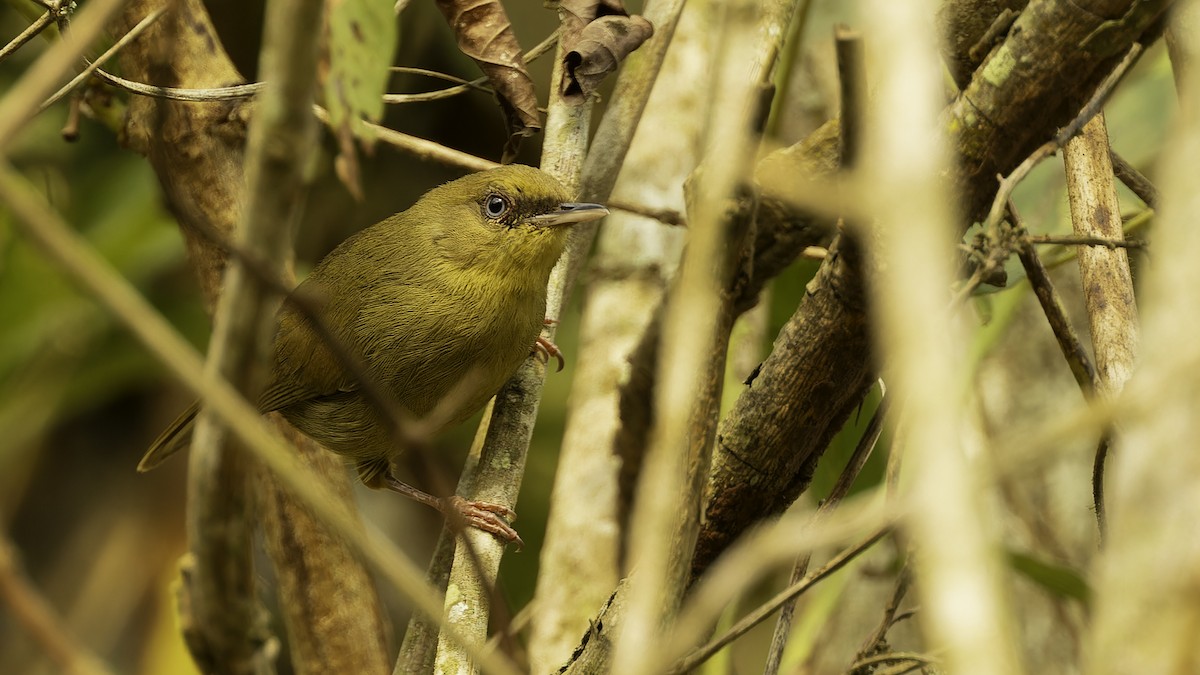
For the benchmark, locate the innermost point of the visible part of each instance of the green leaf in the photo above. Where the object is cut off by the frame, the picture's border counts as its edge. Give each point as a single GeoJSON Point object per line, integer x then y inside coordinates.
{"type": "Point", "coordinates": [361, 45]}
{"type": "Point", "coordinates": [1058, 579]}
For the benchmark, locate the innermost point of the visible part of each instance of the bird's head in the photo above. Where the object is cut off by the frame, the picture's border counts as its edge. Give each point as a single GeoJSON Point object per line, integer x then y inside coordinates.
{"type": "Point", "coordinates": [512, 220]}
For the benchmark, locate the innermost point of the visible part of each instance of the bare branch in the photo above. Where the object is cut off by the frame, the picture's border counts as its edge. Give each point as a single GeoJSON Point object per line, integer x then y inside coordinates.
{"type": "Point", "coordinates": [697, 318]}
{"type": "Point", "coordinates": [1107, 282]}
{"type": "Point", "coordinates": [31, 31]}
{"type": "Point", "coordinates": [93, 66]}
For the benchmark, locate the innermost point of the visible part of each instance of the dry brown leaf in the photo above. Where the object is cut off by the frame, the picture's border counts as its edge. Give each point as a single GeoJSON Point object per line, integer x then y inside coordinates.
{"type": "Point", "coordinates": [599, 50]}
{"type": "Point", "coordinates": [596, 36]}
{"type": "Point", "coordinates": [579, 13]}
{"type": "Point", "coordinates": [485, 34]}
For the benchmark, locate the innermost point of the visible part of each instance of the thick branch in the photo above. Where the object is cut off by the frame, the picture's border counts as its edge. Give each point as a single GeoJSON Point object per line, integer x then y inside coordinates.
{"type": "Point", "coordinates": [196, 151]}
{"type": "Point", "coordinates": [817, 373]}
{"type": "Point", "coordinates": [1054, 56]}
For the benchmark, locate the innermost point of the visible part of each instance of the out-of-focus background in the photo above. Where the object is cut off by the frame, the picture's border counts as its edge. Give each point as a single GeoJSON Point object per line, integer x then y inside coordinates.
{"type": "Point", "coordinates": [80, 400]}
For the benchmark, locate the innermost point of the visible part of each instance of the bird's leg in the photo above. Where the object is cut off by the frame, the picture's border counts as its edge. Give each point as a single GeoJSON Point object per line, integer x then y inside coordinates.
{"type": "Point", "coordinates": [485, 516]}
{"type": "Point", "coordinates": [544, 348]}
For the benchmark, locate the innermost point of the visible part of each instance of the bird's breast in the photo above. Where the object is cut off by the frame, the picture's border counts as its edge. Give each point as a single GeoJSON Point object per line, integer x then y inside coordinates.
{"type": "Point", "coordinates": [467, 354]}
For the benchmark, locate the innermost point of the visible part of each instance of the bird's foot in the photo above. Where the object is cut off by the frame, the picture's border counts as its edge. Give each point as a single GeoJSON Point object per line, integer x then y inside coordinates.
{"type": "Point", "coordinates": [486, 516]}
{"type": "Point", "coordinates": [544, 348]}
{"type": "Point", "coordinates": [493, 518]}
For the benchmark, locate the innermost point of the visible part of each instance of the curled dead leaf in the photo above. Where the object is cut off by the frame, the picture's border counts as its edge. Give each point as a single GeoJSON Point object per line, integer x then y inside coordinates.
{"type": "Point", "coordinates": [484, 33]}
{"type": "Point", "coordinates": [578, 13]}
{"type": "Point", "coordinates": [598, 50]}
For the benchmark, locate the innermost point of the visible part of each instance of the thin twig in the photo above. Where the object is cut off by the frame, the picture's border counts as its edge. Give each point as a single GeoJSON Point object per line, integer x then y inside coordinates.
{"type": "Point", "coordinates": [464, 85]}
{"type": "Point", "coordinates": [1105, 89]}
{"type": "Point", "coordinates": [1089, 110]}
{"type": "Point", "coordinates": [704, 652]}
{"type": "Point", "coordinates": [891, 657]}
{"type": "Point", "coordinates": [70, 129]}
{"type": "Point", "coordinates": [878, 638]}
{"type": "Point", "coordinates": [1067, 240]}
{"type": "Point", "coordinates": [109, 53]}
{"type": "Point", "coordinates": [421, 147]}
{"type": "Point", "coordinates": [666, 216]}
{"type": "Point", "coordinates": [20, 102]}
{"type": "Point", "coordinates": [436, 74]}
{"type": "Point", "coordinates": [994, 33]}
{"type": "Point", "coordinates": [1009, 183]}
{"type": "Point", "coordinates": [1135, 180]}
{"type": "Point", "coordinates": [208, 95]}
{"type": "Point", "coordinates": [252, 89]}
{"type": "Point", "coordinates": [1099, 462]}
{"type": "Point", "coordinates": [1052, 306]}
{"type": "Point", "coordinates": [1071, 347]}
{"type": "Point", "coordinates": [26, 35]}
{"type": "Point", "coordinates": [1138, 222]}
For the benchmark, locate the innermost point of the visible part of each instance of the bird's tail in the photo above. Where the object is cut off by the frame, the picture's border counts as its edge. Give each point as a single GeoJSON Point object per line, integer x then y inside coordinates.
{"type": "Point", "coordinates": [172, 439]}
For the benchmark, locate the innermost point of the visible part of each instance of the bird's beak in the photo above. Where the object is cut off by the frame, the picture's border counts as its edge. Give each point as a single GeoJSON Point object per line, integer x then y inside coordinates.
{"type": "Point", "coordinates": [569, 214]}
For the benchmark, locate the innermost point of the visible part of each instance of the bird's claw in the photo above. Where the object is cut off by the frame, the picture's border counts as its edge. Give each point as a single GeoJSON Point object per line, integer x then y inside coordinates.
{"type": "Point", "coordinates": [544, 348]}
{"type": "Point", "coordinates": [486, 516]}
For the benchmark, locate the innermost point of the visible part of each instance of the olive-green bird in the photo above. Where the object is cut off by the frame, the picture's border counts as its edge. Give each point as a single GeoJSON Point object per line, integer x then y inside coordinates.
{"type": "Point", "coordinates": [440, 304]}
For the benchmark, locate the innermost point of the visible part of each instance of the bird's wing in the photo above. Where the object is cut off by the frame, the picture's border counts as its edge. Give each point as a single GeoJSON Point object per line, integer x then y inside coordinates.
{"type": "Point", "coordinates": [304, 367]}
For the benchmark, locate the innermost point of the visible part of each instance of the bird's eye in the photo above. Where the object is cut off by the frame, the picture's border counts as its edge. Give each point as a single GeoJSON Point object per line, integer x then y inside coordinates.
{"type": "Point", "coordinates": [495, 206]}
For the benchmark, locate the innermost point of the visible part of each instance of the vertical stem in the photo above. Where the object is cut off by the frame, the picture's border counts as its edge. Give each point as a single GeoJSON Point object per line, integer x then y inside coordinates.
{"type": "Point", "coordinates": [695, 336]}
{"type": "Point", "coordinates": [1148, 575]}
{"type": "Point", "coordinates": [497, 477]}
{"type": "Point", "coordinates": [227, 624]}
{"type": "Point", "coordinates": [959, 573]}
{"type": "Point", "coordinates": [1107, 283]}
{"type": "Point", "coordinates": [579, 564]}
